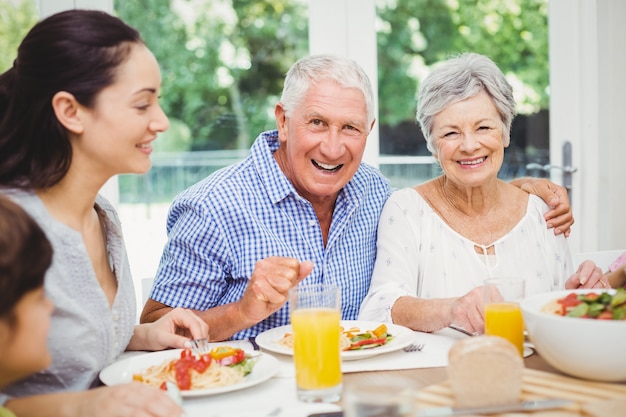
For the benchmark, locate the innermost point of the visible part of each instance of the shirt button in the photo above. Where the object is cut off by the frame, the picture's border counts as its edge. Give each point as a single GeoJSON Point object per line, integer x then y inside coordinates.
{"type": "Point", "coordinates": [312, 223]}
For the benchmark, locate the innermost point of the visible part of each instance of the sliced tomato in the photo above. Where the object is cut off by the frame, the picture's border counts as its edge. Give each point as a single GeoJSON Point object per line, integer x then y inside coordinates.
{"type": "Point", "coordinates": [202, 363]}
{"type": "Point", "coordinates": [590, 296]}
{"type": "Point", "coordinates": [605, 315]}
{"type": "Point", "coordinates": [366, 342]}
{"type": "Point", "coordinates": [237, 356]}
{"type": "Point", "coordinates": [186, 354]}
{"type": "Point", "coordinates": [568, 303]}
{"type": "Point", "coordinates": [183, 376]}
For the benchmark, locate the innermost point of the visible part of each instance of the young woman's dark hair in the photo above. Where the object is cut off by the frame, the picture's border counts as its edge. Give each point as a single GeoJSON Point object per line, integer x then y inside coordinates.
{"type": "Point", "coordinates": [77, 51]}
{"type": "Point", "coordinates": [25, 256]}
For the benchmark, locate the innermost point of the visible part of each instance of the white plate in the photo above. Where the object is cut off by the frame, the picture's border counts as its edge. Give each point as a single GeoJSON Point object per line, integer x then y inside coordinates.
{"type": "Point", "coordinates": [402, 337]}
{"type": "Point", "coordinates": [122, 371]}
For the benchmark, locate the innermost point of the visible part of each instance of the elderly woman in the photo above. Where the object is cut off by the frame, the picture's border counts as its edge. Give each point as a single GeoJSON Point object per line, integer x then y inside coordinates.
{"type": "Point", "coordinates": [439, 240]}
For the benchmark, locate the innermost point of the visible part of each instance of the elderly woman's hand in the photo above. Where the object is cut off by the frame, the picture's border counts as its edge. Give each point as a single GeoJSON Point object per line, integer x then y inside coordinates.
{"type": "Point", "coordinates": [466, 312]}
{"type": "Point", "coordinates": [588, 275]}
{"type": "Point", "coordinates": [560, 215]}
{"type": "Point", "coordinates": [173, 330]}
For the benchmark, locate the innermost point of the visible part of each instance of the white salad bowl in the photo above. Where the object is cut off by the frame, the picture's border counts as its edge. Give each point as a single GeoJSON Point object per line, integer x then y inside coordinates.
{"type": "Point", "coordinates": [581, 347]}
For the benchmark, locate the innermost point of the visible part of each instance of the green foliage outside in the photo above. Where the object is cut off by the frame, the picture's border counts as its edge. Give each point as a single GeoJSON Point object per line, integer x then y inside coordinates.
{"type": "Point", "coordinates": [415, 34]}
{"type": "Point", "coordinates": [16, 18]}
{"type": "Point", "coordinates": [223, 61]}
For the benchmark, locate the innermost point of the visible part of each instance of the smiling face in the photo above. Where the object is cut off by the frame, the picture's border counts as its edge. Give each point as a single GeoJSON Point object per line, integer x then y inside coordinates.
{"type": "Point", "coordinates": [468, 136]}
{"type": "Point", "coordinates": [118, 132]}
{"type": "Point", "coordinates": [323, 140]}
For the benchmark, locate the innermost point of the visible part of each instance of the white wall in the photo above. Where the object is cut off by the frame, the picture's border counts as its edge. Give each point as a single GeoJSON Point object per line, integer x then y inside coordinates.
{"type": "Point", "coordinates": [587, 105]}
{"type": "Point", "coordinates": [347, 27]}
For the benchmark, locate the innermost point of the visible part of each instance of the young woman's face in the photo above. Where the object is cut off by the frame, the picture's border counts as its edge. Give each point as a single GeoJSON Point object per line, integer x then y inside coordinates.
{"type": "Point", "coordinates": [119, 130]}
{"type": "Point", "coordinates": [24, 347]}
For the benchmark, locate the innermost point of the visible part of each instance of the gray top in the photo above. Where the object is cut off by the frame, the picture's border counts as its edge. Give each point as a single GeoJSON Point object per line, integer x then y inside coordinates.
{"type": "Point", "coordinates": [86, 334]}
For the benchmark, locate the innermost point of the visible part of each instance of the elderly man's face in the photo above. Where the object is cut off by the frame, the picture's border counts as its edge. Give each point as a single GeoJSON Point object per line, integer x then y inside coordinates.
{"type": "Point", "coordinates": [323, 140]}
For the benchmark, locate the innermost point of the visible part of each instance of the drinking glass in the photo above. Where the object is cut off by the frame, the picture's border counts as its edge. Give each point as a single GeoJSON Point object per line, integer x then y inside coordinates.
{"type": "Point", "coordinates": [315, 320]}
{"type": "Point", "coordinates": [388, 398]}
{"type": "Point", "coordinates": [503, 315]}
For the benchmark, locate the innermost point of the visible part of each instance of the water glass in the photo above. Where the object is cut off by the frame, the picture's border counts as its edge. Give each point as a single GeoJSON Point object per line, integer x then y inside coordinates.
{"type": "Point", "coordinates": [315, 319]}
{"type": "Point", "coordinates": [388, 398]}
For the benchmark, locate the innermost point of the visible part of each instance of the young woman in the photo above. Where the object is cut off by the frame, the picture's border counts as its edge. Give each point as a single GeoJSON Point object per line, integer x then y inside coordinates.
{"type": "Point", "coordinates": [80, 105]}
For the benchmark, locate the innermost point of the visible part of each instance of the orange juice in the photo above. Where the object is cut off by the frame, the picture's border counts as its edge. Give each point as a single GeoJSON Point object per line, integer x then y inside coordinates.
{"type": "Point", "coordinates": [316, 348]}
{"type": "Point", "coordinates": [505, 320]}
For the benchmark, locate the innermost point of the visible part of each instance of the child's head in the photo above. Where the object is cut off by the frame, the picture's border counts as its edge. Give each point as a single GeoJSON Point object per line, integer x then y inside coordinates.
{"type": "Point", "coordinates": [25, 255]}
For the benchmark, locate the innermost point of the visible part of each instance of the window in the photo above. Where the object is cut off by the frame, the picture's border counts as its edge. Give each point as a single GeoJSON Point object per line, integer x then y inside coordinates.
{"type": "Point", "coordinates": [223, 62]}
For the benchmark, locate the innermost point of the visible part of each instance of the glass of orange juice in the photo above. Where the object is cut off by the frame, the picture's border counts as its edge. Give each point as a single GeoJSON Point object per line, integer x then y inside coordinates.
{"type": "Point", "coordinates": [503, 315]}
{"type": "Point", "coordinates": [315, 320]}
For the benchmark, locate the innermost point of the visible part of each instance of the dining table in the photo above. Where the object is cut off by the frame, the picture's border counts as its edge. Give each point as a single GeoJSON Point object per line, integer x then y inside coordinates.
{"type": "Point", "coordinates": [423, 371]}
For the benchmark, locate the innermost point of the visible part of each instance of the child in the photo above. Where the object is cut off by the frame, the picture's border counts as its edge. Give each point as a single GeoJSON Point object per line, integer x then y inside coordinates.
{"type": "Point", "coordinates": [616, 275]}
{"type": "Point", "coordinates": [25, 255]}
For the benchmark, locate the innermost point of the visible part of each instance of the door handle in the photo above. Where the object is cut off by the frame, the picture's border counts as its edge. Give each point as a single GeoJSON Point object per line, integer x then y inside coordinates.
{"type": "Point", "coordinates": [567, 169]}
{"type": "Point", "coordinates": [535, 166]}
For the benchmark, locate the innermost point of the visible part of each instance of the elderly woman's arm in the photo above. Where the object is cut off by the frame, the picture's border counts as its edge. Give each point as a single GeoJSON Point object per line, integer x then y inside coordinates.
{"type": "Point", "coordinates": [560, 215]}
{"type": "Point", "coordinates": [429, 315]}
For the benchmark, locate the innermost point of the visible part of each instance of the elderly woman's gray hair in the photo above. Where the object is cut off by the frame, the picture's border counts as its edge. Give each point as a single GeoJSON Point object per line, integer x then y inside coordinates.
{"type": "Point", "coordinates": [315, 68]}
{"type": "Point", "coordinates": [460, 78]}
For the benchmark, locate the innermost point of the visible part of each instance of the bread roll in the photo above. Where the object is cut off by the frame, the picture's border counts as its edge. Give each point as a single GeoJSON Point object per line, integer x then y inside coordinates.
{"type": "Point", "coordinates": [485, 370]}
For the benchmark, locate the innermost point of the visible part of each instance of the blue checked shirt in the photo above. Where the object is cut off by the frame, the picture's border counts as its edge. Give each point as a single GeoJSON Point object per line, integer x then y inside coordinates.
{"type": "Point", "coordinates": [220, 227]}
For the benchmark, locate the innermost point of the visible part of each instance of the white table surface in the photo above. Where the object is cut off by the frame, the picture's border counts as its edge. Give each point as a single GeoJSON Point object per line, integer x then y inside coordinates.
{"type": "Point", "coordinates": [276, 397]}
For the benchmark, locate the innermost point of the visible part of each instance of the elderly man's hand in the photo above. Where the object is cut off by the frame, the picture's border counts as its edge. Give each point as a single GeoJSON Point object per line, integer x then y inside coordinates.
{"type": "Point", "coordinates": [269, 285]}
{"type": "Point", "coordinates": [560, 215]}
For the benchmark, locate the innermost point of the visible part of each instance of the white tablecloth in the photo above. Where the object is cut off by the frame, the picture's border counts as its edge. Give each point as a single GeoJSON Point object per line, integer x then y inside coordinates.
{"type": "Point", "coordinates": [279, 392]}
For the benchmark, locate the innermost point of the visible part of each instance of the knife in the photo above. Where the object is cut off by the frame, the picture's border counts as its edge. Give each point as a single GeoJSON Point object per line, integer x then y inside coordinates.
{"type": "Point", "coordinates": [493, 409]}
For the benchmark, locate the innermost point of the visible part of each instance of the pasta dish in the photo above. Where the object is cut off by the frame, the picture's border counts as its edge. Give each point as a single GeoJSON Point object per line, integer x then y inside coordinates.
{"type": "Point", "coordinates": [222, 366]}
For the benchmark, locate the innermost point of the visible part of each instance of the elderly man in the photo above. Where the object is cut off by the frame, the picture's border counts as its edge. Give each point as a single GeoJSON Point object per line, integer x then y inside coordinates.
{"type": "Point", "coordinates": [302, 206]}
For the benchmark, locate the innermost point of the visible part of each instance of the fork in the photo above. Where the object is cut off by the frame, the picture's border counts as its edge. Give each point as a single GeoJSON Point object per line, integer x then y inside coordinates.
{"type": "Point", "coordinates": [414, 347]}
{"type": "Point", "coordinates": [200, 346]}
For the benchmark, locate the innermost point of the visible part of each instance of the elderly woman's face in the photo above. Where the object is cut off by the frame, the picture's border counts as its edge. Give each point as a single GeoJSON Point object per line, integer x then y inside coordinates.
{"type": "Point", "coordinates": [468, 137]}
